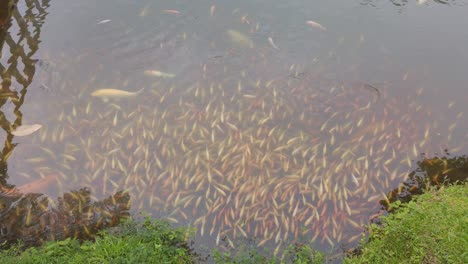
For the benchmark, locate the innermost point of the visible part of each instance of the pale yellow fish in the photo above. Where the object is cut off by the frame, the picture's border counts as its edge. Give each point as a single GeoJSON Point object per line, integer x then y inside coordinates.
{"type": "Point", "coordinates": [25, 130]}
{"type": "Point", "coordinates": [159, 74]}
{"type": "Point", "coordinates": [316, 25]}
{"type": "Point", "coordinates": [114, 93]}
{"type": "Point", "coordinates": [240, 38]}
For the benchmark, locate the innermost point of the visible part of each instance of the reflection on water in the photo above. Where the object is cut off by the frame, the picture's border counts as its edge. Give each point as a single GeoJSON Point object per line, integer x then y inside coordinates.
{"type": "Point", "coordinates": [25, 214]}
{"type": "Point", "coordinates": [222, 116]}
{"type": "Point", "coordinates": [430, 172]}
{"type": "Point", "coordinates": [33, 218]}
{"type": "Point", "coordinates": [19, 68]}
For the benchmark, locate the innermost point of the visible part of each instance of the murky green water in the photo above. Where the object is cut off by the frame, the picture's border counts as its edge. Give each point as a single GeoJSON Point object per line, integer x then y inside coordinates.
{"type": "Point", "coordinates": [273, 121]}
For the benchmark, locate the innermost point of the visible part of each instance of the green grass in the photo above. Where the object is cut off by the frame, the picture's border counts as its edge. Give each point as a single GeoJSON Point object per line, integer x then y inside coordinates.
{"type": "Point", "coordinates": [152, 241]}
{"type": "Point", "coordinates": [296, 254]}
{"type": "Point", "coordinates": [430, 229]}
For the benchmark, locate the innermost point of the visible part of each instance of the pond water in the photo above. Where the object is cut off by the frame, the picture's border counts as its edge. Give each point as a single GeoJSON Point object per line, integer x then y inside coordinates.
{"type": "Point", "coordinates": [267, 121]}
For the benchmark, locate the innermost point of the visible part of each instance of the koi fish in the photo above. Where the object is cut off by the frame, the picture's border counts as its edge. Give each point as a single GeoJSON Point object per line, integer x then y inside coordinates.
{"type": "Point", "coordinates": [316, 25]}
{"type": "Point", "coordinates": [25, 130]}
{"type": "Point", "coordinates": [106, 94]}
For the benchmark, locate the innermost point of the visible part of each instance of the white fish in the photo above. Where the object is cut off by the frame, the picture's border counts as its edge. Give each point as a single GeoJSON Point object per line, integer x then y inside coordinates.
{"type": "Point", "coordinates": [270, 39]}
{"type": "Point", "coordinates": [103, 21]}
{"type": "Point", "coordinates": [316, 25]}
{"type": "Point", "coordinates": [25, 130]}
{"type": "Point", "coordinates": [106, 94]}
{"type": "Point", "coordinates": [159, 74]}
{"type": "Point", "coordinates": [421, 2]}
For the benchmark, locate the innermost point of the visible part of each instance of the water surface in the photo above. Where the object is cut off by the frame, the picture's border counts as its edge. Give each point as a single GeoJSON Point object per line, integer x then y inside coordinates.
{"type": "Point", "coordinates": [270, 129]}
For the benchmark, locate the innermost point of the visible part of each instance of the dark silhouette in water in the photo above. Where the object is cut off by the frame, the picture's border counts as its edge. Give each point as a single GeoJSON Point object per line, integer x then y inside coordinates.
{"type": "Point", "coordinates": [437, 171]}
{"type": "Point", "coordinates": [35, 218]}
{"type": "Point", "coordinates": [17, 65]}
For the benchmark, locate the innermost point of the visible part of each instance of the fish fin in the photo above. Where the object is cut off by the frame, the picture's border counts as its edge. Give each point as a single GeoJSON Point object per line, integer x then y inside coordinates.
{"type": "Point", "coordinates": [105, 99]}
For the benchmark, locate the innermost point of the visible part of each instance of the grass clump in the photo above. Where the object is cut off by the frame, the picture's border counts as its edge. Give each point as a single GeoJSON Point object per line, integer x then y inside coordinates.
{"type": "Point", "coordinates": [296, 254]}
{"type": "Point", "coordinates": [152, 241]}
{"type": "Point", "coordinates": [430, 229]}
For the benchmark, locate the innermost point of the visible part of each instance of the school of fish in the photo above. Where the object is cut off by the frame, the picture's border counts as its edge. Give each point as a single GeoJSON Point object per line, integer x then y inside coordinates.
{"type": "Point", "coordinates": [240, 156]}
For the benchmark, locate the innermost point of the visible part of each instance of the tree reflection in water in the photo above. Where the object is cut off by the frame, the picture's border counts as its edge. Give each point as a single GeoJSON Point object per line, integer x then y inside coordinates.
{"type": "Point", "coordinates": [34, 218]}
{"type": "Point", "coordinates": [436, 171]}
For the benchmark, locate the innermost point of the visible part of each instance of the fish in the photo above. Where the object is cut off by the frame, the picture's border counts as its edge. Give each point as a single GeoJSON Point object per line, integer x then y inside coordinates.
{"type": "Point", "coordinates": [316, 25]}
{"type": "Point", "coordinates": [171, 11]}
{"type": "Point", "coordinates": [354, 179]}
{"type": "Point", "coordinates": [39, 185]}
{"type": "Point", "coordinates": [26, 130]}
{"type": "Point", "coordinates": [240, 38]}
{"type": "Point", "coordinates": [103, 21]}
{"type": "Point", "coordinates": [212, 10]}
{"type": "Point", "coordinates": [159, 74]}
{"type": "Point", "coordinates": [105, 94]}
{"type": "Point", "coordinates": [270, 39]}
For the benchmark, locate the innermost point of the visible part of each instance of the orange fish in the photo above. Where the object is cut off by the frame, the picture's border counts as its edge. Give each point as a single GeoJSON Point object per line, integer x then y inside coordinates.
{"type": "Point", "coordinates": [39, 185]}
{"type": "Point", "coordinates": [171, 11]}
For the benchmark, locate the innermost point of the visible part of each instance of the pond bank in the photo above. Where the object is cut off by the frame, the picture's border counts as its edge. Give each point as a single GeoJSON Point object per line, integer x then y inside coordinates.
{"type": "Point", "coordinates": [429, 229]}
